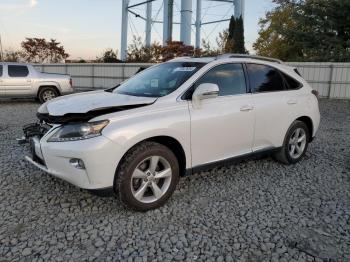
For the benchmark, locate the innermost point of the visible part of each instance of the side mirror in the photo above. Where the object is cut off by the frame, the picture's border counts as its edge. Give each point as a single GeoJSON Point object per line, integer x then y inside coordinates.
{"type": "Point", "coordinates": [205, 91]}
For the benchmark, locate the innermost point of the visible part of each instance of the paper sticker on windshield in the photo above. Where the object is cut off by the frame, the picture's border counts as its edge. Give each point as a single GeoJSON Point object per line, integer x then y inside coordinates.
{"type": "Point", "coordinates": [184, 69]}
{"type": "Point", "coordinates": [154, 82]}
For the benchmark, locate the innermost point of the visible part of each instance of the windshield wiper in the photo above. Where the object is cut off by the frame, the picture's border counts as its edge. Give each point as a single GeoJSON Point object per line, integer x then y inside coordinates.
{"type": "Point", "coordinates": [110, 90]}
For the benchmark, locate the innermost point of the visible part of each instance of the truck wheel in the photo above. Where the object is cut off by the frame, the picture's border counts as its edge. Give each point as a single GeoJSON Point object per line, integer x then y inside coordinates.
{"type": "Point", "coordinates": [295, 144]}
{"type": "Point", "coordinates": [46, 94]}
{"type": "Point", "coordinates": [147, 176]}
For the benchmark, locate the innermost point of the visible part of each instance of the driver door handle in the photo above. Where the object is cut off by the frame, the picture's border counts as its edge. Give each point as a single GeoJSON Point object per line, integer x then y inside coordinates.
{"type": "Point", "coordinates": [246, 108]}
{"type": "Point", "coordinates": [292, 102]}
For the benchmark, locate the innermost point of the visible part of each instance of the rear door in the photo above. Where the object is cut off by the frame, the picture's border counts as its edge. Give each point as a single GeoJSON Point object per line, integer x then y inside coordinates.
{"type": "Point", "coordinates": [18, 80]}
{"type": "Point", "coordinates": [2, 87]}
{"type": "Point", "coordinates": [276, 106]}
{"type": "Point", "coordinates": [222, 127]}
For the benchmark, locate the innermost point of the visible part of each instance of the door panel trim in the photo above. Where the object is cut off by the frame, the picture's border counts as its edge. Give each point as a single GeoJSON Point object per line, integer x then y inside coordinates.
{"type": "Point", "coordinates": [232, 160]}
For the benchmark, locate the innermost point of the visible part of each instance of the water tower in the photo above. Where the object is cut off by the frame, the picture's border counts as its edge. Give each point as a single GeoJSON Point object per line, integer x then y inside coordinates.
{"type": "Point", "coordinates": [185, 21]}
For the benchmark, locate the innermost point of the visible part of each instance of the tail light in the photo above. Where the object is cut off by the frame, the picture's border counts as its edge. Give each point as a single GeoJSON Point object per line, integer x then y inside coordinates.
{"type": "Point", "coordinates": [71, 82]}
{"type": "Point", "coordinates": [315, 93]}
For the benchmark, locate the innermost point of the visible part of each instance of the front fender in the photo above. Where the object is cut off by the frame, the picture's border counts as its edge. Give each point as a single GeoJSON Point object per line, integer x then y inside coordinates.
{"type": "Point", "coordinates": [129, 131]}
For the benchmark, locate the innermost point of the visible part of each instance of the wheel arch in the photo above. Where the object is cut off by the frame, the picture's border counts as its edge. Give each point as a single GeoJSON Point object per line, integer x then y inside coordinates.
{"type": "Point", "coordinates": [170, 142]}
{"type": "Point", "coordinates": [308, 122]}
{"type": "Point", "coordinates": [48, 85]}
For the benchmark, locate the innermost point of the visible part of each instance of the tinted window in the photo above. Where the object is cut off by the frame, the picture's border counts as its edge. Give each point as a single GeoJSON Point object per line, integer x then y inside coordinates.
{"type": "Point", "coordinates": [229, 77]}
{"type": "Point", "coordinates": [291, 83]}
{"type": "Point", "coordinates": [264, 78]}
{"type": "Point", "coordinates": [0, 70]}
{"type": "Point", "coordinates": [18, 71]}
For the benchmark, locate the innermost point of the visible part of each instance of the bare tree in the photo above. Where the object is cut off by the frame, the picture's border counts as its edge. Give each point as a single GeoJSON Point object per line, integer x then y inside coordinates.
{"type": "Point", "coordinates": [38, 50]}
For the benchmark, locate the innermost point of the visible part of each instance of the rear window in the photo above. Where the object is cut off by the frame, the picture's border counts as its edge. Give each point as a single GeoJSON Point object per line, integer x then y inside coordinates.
{"type": "Point", "coordinates": [0, 70]}
{"type": "Point", "coordinates": [264, 78]}
{"type": "Point", "coordinates": [18, 71]}
{"type": "Point", "coordinates": [291, 83]}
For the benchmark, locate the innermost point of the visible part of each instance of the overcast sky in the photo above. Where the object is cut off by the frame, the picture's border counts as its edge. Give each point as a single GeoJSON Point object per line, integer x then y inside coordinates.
{"type": "Point", "coordinates": [87, 27]}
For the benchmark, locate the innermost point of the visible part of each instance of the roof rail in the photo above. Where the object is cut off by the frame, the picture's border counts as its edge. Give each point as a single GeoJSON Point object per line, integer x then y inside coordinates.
{"type": "Point", "coordinates": [180, 58]}
{"type": "Point", "coordinates": [223, 56]}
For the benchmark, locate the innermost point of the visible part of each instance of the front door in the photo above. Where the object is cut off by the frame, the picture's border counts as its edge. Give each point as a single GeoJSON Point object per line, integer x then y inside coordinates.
{"type": "Point", "coordinates": [222, 127]}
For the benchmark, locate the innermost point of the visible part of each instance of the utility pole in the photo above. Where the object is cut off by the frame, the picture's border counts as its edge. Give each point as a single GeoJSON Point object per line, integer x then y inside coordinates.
{"type": "Point", "coordinates": [148, 23]}
{"type": "Point", "coordinates": [186, 23]}
{"type": "Point", "coordinates": [170, 23]}
{"type": "Point", "coordinates": [239, 8]}
{"type": "Point", "coordinates": [124, 34]}
{"type": "Point", "coordinates": [198, 23]}
{"type": "Point", "coordinates": [167, 21]}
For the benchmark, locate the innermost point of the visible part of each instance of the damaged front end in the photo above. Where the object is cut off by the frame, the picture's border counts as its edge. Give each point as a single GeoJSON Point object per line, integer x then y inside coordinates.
{"type": "Point", "coordinates": [32, 134]}
{"type": "Point", "coordinates": [32, 130]}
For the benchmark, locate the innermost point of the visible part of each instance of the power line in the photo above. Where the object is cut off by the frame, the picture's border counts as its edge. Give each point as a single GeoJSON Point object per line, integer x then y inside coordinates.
{"type": "Point", "coordinates": [217, 24]}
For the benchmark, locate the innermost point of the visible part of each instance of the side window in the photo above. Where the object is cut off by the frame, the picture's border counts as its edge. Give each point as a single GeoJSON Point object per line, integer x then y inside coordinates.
{"type": "Point", "coordinates": [229, 77]}
{"type": "Point", "coordinates": [291, 83]}
{"type": "Point", "coordinates": [18, 71]}
{"type": "Point", "coordinates": [264, 78]}
{"type": "Point", "coordinates": [0, 70]}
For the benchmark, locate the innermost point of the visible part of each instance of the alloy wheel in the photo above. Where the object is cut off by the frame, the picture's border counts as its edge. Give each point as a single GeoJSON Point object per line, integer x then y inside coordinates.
{"type": "Point", "coordinates": [48, 95]}
{"type": "Point", "coordinates": [151, 179]}
{"type": "Point", "coordinates": [297, 143]}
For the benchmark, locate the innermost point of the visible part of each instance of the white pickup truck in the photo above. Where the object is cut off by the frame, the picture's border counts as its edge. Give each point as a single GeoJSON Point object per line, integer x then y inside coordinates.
{"type": "Point", "coordinates": [23, 80]}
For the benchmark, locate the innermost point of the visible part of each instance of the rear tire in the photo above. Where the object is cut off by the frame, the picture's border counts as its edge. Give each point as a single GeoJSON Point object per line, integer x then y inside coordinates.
{"type": "Point", "coordinates": [147, 176]}
{"type": "Point", "coordinates": [46, 94]}
{"type": "Point", "coordinates": [295, 144]}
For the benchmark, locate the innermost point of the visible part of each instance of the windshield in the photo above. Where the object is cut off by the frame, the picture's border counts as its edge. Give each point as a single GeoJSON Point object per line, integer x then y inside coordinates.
{"type": "Point", "coordinates": [159, 80]}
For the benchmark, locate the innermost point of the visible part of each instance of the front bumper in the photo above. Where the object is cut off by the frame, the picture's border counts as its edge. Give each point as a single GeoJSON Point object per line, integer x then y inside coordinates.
{"type": "Point", "coordinates": [100, 156]}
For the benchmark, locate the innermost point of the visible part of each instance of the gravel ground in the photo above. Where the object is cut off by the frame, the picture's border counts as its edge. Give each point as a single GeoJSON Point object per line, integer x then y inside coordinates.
{"type": "Point", "coordinates": [258, 210]}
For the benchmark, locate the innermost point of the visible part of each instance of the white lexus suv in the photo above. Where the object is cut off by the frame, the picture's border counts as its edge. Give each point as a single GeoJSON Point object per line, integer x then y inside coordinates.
{"type": "Point", "coordinates": [171, 120]}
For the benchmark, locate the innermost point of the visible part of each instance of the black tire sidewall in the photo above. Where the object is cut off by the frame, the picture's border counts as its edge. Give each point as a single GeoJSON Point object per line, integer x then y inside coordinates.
{"type": "Point", "coordinates": [124, 176]}
{"type": "Point", "coordinates": [42, 91]}
{"type": "Point", "coordinates": [295, 125]}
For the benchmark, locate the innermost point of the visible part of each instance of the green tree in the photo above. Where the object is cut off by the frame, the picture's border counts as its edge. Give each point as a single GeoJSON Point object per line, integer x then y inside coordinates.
{"type": "Point", "coordinates": [235, 38]}
{"type": "Point", "coordinates": [175, 49]}
{"type": "Point", "coordinates": [109, 56]}
{"type": "Point", "coordinates": [306, 30]}
{"type": "Point", "coordinates": [138, 52]}
{"type": "Point", "coordinates": [221, 45]}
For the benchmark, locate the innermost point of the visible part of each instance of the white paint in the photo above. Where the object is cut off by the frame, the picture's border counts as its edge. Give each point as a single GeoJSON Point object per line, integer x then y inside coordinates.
{"type": "Point", "coordinates": [221, 127]}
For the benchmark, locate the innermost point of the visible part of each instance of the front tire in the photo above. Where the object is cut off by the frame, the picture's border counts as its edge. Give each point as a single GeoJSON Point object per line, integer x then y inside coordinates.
{"type": "Point", "coordinates": [295, 144]}
{"type": "Point", "coordinates": [147, 176]}
{"type": "Point", "coordinates": [46, 94]}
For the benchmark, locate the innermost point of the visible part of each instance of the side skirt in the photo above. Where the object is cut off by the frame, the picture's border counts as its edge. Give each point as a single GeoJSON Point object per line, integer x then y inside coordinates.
{"type": "Point", "coordinates": [232, 160]}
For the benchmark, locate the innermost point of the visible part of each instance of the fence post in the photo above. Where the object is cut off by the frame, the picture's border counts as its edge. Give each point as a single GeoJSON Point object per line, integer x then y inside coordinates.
{"type": "Point", "coordinates": [123, 72]}
{"type": "Point", "coordinates": [93, 76]}
{"type": "Point", "coordinates": [330, 80]}
{"type": "Point", "coordinates": [66, 69]}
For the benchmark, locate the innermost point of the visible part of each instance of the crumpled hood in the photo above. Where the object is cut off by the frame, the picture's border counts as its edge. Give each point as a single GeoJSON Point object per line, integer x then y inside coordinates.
{"type": "Point", "coordinates": [95, 100]}
{"type": "Point", "coordinates": [84, 106]}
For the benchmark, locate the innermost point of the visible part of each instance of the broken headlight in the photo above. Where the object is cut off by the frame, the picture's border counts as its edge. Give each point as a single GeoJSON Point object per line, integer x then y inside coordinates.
{"type": "Point", "coordinates": [78, 131]}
